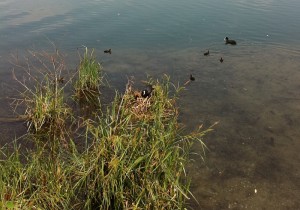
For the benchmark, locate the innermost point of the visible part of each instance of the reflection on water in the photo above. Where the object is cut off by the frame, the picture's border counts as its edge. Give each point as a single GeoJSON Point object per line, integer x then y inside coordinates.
{"type": "Point", "coordinates": [15, 13]}
{"type": "Point", "coordinates": [253, 160]}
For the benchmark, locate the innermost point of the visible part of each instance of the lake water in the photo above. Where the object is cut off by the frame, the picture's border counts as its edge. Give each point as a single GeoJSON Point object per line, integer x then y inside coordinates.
{"type": "Point", "coordinates": [253, 160]}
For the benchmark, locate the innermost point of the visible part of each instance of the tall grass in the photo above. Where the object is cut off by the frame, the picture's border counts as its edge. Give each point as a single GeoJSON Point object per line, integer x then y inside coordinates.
{"type": "Point", "coordinates": [39, 182]}
{"type": "Point", "coordinates": [137, 163]}
{"type": "Point", "coordinates": [46, 110]}
{"type": "Point", "coordinates": [89, 76]}
{"type": "Point", "coordinates": [133, 158]}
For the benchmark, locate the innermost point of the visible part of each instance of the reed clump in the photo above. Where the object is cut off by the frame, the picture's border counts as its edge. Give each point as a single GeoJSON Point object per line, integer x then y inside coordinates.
{"type": "Point", "coordinates": [157, 104]}
{"type": "Point", "coordinates": [133, 156]}
{"type": "Point", "coordinates": [89, 77]}
{"type": "Point", "coordinates": [46, 110]}
{"type": "Point", "coordinates": [138, 162]}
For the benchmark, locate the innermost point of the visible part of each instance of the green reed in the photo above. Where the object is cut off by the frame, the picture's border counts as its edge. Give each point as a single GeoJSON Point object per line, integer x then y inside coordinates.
{"type": "Point", "coordinates": [46, 110]}
{"type": "Point", "coordinates": [134, 163]}
{"type": "Point", "coordinates": [89, 75]}
{"type": "Point", "coordinates": [133, 156]}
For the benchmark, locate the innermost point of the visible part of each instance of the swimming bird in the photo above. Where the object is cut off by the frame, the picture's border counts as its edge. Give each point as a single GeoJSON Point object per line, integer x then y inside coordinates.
{"type": "Point", "coordinates": [192, 78]}
{"type": "Point", "coordinates": [229, 41]}
{"type": "Point", "coordinates": [206, 53]}
{"type": "Point", "coordinates": [221, 60]}
{"type": "Point", "coordinates": [107, 51]}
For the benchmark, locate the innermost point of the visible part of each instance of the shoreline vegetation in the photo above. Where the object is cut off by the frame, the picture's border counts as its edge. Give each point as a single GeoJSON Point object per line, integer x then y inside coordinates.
{"type": "Point", "coordinates": [129, 154]}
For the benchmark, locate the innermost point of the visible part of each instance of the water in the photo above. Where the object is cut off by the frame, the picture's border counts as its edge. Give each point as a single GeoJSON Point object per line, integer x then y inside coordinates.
{"type": "Point", "coordinates": [253, 162]}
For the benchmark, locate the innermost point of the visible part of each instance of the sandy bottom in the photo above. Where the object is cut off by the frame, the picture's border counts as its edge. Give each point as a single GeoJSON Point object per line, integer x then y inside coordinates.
{"type": "Point", "coordinates": [253, 160]}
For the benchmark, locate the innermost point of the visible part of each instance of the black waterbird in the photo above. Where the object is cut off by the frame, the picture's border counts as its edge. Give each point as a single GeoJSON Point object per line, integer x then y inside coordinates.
{"type": "Point", "coordinates": [107, 51]}
{"type": "Point", "coordinates": [221, 60]}
{"type": "Point", "coordinates": [229, 41]}
{"type": "Point", "coordinates": [147, 92]}
{"type": "Point", "coordinates": [192, 78]}
{"type": "Point", "coordinates": [206, 53]}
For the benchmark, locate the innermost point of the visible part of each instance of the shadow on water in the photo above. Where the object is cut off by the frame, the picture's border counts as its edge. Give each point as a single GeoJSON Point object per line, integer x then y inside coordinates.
{"type": "Point", "coordinates": [253, 160]}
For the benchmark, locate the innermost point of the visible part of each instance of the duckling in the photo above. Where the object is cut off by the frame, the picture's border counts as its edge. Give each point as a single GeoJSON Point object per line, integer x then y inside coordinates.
{"type": "Point", "coordinates": [206, 53]}
{"type": "Point", "coordinates": [137, 94]}
{"type": "Point", "coordinates": [107, 51]}
{"type": "Point", "coordinates": [59, 80]}
{"type": "Point", "coordinates": [229, 41]}
{"type": "Point", "coordinates": [221, 60]}
{"type": "Point", "coordinates": [192, 78]}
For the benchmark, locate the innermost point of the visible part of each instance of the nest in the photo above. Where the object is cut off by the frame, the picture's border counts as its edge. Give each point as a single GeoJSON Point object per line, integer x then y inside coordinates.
{"type": "Point", "coordinates": [138, 105]}
{"type": "Point", "coordinates": [145, 107]}
{"type": "Point", "coordinates": [141, 105]}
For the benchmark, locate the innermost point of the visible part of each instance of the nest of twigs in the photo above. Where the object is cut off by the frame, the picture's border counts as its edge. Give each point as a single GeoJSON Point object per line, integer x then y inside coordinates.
{"type": "Point", "coordinates": [147, 108]}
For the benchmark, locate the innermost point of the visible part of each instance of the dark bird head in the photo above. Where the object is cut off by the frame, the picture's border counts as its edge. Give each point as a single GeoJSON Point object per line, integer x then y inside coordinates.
{"type": "Point", "coordinates": [147, 92]}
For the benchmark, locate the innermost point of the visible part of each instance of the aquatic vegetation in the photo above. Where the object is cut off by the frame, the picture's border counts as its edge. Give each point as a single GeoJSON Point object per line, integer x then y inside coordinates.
{"type": "Point", "coordinates": [132, 157]}
{"type": "Point", "coordinates": [89, 76]}
{"type": "Point", "coordinates": [45, 108]}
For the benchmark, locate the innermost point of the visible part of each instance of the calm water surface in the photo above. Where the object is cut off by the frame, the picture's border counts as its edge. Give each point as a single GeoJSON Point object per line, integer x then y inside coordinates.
{"type": "Point", "coordinates": [253, 162]}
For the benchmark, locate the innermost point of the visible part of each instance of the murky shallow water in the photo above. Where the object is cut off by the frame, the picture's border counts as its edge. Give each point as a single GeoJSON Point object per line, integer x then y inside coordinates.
{"type": "Point", "coordinates": [255, 146]}
{"type": "Point", "coordinates": [253, 162]}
